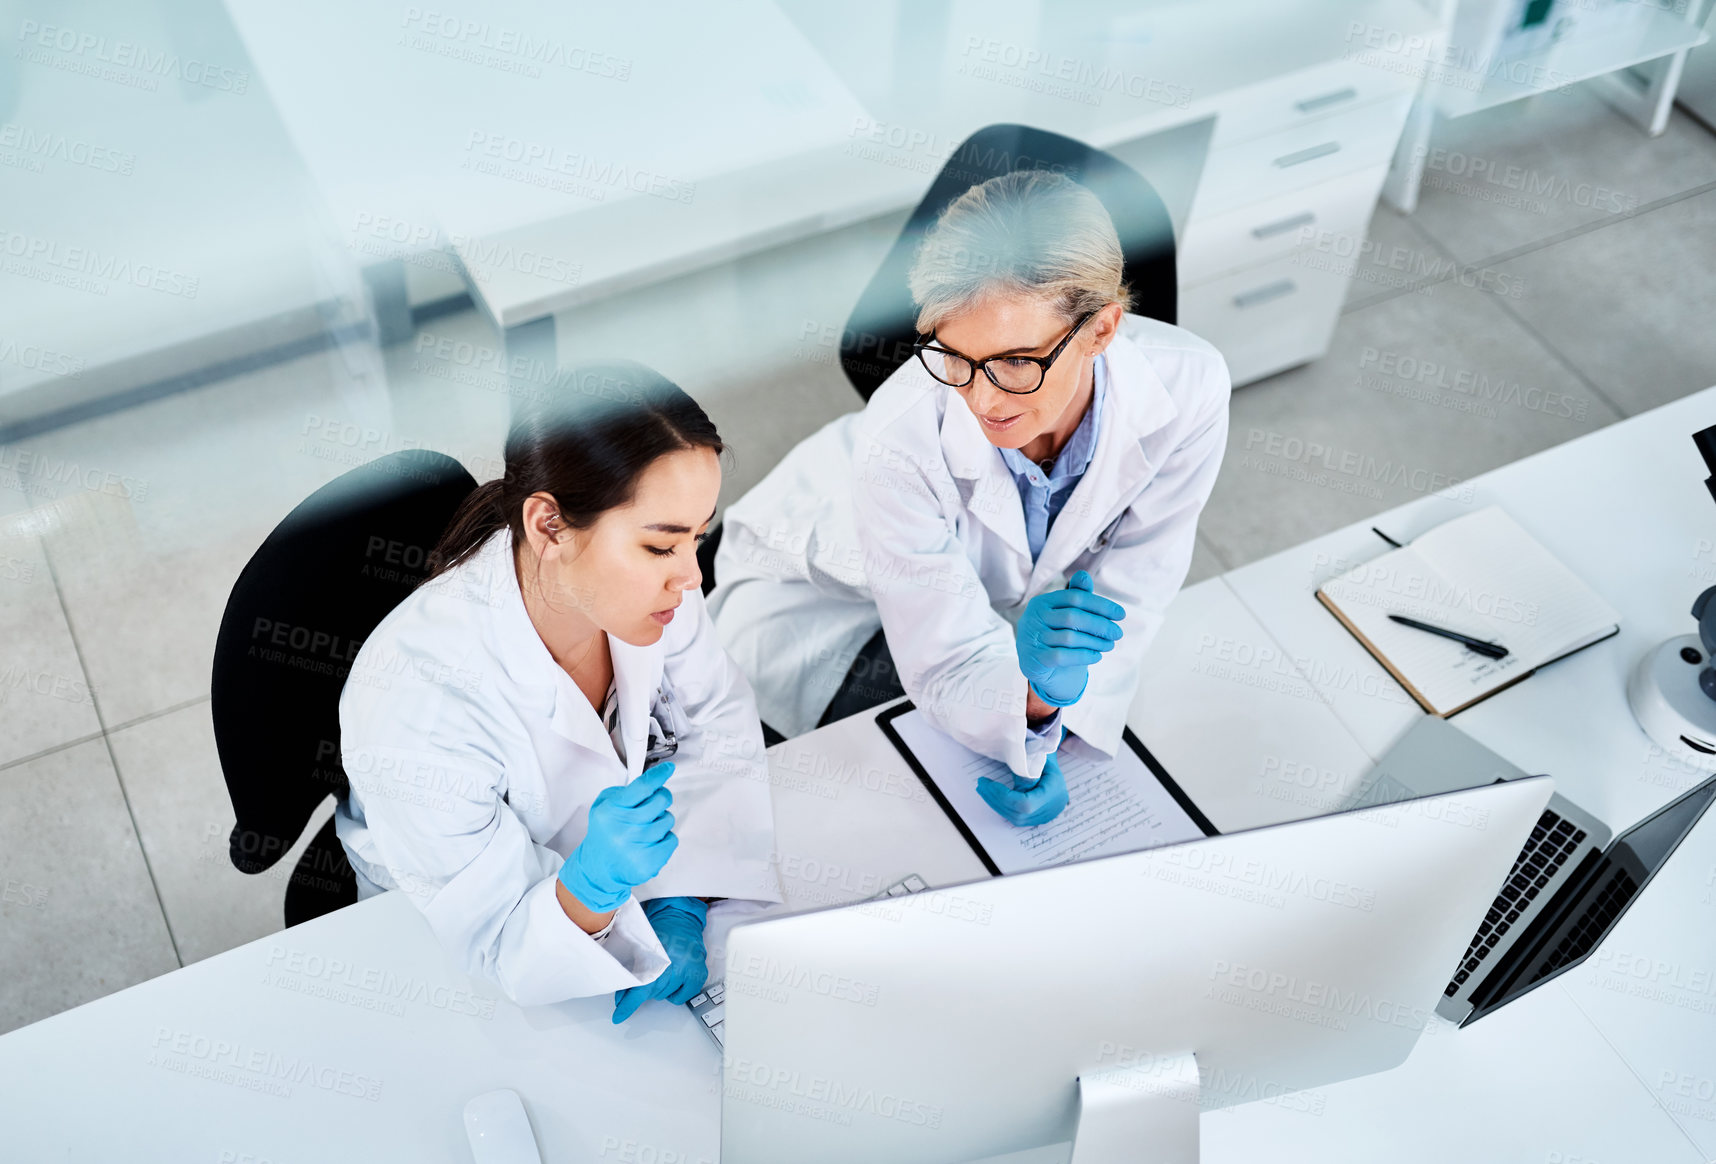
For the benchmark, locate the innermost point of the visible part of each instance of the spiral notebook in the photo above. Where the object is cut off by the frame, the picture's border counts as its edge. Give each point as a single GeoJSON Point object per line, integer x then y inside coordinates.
{"type": "Point", "coordinates": [1481, 575]}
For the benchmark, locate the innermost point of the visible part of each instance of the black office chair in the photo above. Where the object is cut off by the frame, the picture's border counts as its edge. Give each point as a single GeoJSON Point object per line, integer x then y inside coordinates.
{"type": "Point", "coordinates": [301, 608]}
{"type": "Point", "coordinates": [881, 330]}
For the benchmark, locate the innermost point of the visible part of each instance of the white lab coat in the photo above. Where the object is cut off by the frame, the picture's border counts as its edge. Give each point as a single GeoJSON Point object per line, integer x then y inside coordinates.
{"type": "Point", "coordinates": [903, 515]}
{"type": "Point", "coordinates": [473, 760]}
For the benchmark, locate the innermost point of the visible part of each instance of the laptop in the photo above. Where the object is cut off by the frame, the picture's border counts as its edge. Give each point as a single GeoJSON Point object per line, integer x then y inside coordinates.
{"type": "Point", "coordinates": [1569, 886]}
{"type": "Point", "coordinates": [710, 1005]}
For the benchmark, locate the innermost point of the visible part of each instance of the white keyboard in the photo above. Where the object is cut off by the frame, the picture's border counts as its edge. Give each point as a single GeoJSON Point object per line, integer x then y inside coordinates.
{"type": "Point", "coordinates": [710, 1007]}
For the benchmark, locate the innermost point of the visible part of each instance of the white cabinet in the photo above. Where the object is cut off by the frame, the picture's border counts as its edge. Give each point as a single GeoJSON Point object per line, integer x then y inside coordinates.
{"type": "Point", "coordinates": [1255, 233]}
{"type": "Point", "coordinates": [1290, 163]}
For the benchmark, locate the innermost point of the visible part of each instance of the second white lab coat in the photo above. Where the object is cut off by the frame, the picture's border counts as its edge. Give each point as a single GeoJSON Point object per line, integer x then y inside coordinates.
{"type": "Point", "coordinates": [473, 760]}
{"type": "Point", "coordinates": [904, 516]}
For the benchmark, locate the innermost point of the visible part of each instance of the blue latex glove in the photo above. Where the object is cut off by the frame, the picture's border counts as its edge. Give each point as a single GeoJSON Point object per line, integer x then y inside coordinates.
{"type": "Point", "coordinates": [1063, 632]}
{"type": "Point", "coordinates": [629, 838]}
{"type": "Point", "coordinates": [1028, 802]}
{"type": "Point", "coordinates": [678, 922]}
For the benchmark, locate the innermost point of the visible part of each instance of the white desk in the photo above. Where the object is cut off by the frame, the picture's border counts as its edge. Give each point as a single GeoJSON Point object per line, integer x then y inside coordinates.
{"type": "Point", "coordinates": [1626, 508]}
{"type": "Point", "coordinates": [1576, 1068]}
{"type": "Point", "coordinates": [770, 123]}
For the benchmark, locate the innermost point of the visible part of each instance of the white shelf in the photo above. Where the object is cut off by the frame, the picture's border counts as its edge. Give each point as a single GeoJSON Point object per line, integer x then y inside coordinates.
{"type": "Point", "coordinates": [1630, 34]}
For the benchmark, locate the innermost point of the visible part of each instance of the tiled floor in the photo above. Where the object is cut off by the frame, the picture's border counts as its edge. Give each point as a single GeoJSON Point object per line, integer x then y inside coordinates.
{"type": "Point", "coordinates": [1575, 309]}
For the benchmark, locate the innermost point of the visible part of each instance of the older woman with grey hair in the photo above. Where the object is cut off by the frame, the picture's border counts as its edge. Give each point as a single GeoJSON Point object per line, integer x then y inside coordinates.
{"type": "Point", "coordinates": [1014, 509]}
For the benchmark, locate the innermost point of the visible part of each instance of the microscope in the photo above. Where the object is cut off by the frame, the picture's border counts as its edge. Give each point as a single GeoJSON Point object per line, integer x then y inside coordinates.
{"type": "Point", "coordinates": [1672, 691]}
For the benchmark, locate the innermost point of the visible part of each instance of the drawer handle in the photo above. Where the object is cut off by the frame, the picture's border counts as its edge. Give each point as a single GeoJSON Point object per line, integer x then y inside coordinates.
{"type": "Point", "coordinates": [1265, 293]}
{"type": "Point", "coordinates": [1316, 151]}
{"type": "Point", "coordinates": [1314, 103]}
{"type": "Point", "coordinates": [1270, 229]}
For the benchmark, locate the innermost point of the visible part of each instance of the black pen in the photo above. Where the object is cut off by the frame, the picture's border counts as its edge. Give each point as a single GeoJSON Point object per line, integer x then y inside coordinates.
{"type": "Point", "coordinates": [1488, 650]}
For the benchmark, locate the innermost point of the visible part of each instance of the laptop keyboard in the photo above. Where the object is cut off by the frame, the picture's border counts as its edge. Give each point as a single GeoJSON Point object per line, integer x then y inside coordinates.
{"type": "Point", "coordinates": [1552, 841]}
{"type": "Point", "coordinates": [1608, 905]}
{"type": "Point", "coordinates": [710, 1005]}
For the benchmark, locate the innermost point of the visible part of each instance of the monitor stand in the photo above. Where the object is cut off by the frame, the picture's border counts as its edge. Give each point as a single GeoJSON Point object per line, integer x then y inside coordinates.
{"type": "Point", "coordinates": [1143, 1113]}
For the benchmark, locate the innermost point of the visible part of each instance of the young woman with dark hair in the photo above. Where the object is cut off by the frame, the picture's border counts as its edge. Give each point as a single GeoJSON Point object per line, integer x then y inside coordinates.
{"type": "Point", "coordinates": [507, 730]}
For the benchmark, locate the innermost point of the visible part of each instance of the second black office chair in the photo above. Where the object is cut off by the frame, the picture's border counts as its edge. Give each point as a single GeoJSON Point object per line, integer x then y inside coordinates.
{"type": "Point", "coordinates": [301, 608]}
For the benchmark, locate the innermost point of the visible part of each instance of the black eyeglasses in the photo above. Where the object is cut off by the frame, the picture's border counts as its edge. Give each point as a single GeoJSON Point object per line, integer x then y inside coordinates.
{"type": "Point", "coordinates": [1019, 375]}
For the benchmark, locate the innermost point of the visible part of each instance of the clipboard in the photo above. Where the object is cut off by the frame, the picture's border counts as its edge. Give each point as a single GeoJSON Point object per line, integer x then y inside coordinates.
{"type": "Point", "coordinates": [886, 721]}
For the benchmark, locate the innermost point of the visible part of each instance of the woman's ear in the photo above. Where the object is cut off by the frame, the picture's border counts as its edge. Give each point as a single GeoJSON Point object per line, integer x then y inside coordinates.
{"type": "Point", "coordinates": [1106, 325]}
{"type": "Point", "coordinates": [544, 528]}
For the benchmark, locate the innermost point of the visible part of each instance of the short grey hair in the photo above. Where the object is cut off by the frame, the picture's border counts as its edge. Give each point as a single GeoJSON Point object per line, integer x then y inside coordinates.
{"type": "Point", "coordinates": [1031, 232]}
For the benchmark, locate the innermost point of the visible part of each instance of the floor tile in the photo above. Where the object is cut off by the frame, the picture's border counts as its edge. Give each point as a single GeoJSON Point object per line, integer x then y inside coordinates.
{"type": "Point", "coordinates": [1418, 393]}
{"type": "Point", "coordinates": [171, 772]}
{"type": "Point", "coordinates": [1205, 563]}
{"type": "Point", "coordinates": [1526, 171]}
{"type": "Point", "coordinates": [1630, 306]}
{"type": "Point", "coordinates": [78, 916]}
{"type": "Point", "coordinates": [171, 498]}
{"type": "Point", "coordinates": [1393, 258]}
{"type": "Point", "coordinates": [146, 620]}
{"type": "Point", "coordinates": [45, 698]}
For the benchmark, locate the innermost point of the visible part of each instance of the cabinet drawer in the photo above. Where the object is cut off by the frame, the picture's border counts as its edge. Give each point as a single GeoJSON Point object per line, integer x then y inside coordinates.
{"type": "Point", "coordinates": [1268, 317]}
{"type": "Point", "coordinates": [1261, 231]}
{"type": "Point", "coordinates": [1267, 167]}
{"type": "Point", "coordinates": [1309, 95]}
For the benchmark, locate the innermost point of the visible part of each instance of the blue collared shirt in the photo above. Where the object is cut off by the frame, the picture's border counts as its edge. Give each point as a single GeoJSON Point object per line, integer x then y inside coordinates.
{"type": "Point", "coordinates": [1045, 495]}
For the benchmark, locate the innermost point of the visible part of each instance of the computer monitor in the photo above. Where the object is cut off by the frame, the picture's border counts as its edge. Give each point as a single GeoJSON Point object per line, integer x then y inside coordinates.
{"type": "Point", "coordinates": [1107, 1001]}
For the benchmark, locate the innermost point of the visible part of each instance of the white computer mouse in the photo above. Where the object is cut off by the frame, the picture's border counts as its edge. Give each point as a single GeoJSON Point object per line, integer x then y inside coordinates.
{"type": "Point", "coordinates": [499, 1130]}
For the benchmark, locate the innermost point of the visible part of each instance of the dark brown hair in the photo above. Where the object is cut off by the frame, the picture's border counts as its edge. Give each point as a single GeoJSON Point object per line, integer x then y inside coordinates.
{"type": "Point", "coordinates": [585, 441]}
